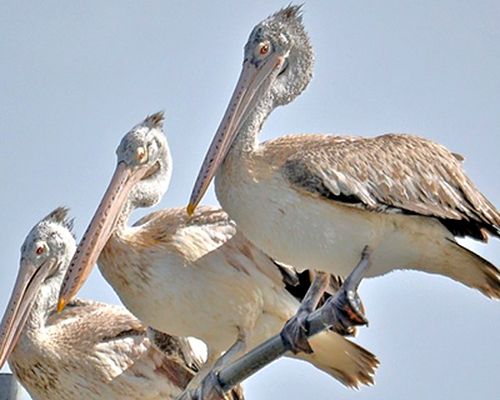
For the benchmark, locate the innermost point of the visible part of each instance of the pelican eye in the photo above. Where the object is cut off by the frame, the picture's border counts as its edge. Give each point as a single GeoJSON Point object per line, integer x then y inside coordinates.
{"type": "Point", "coordinates": [263, 48]}
{"type": "Point", "coordinates": [40, 250]}
{"type": "Point", "coordinates": [140, 154]}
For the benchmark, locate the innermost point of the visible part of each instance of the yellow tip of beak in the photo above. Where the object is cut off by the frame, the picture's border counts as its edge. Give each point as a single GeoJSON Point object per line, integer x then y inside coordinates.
{"type": "Point", "coordinates": [61, 305]}
{"type": "Point", "coordinates": [190, 208]}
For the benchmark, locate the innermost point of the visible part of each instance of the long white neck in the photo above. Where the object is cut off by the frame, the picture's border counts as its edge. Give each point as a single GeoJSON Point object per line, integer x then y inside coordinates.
{"type": "Point", "coordinates": [285, 88]}
{"type": "Point", "coordinates": [246, 140]}
{"type": "Point", "coordinates": [123, 220]}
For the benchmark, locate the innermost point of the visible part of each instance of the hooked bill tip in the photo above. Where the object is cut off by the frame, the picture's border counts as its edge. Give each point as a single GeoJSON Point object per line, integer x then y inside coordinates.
{"type": "Point", "coordinates": [60, 306]}
{"type": "Point", "coordinates": [190, 209]}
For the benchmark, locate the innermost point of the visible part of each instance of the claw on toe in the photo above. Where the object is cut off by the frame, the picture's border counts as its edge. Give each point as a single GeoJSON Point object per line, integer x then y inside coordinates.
{"type": "Point", "coordinates": [344, 311]}
{"type": "Point", "coordinates": [354, 315]}
{"type": "Point", "coordinates": [354, 309]}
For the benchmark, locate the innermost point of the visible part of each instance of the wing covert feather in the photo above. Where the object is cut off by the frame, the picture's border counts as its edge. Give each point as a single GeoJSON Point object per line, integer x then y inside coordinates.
{"type": "Point", "coordinates": [391, 173]}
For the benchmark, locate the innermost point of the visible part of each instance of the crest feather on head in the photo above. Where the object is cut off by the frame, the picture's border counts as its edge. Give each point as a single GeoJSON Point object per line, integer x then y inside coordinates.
{"type": "Point", "coordinates": [289, 12]}
{"type": "Point", "coordinates": [155, 120]}
{"type": "Point", "coordinates": [60, 216]}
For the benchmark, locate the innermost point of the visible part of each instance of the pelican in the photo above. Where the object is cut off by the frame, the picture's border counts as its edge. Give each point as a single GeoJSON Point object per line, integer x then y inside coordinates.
{"type": "Point", "coordinates": [194, 276]}
{"type": "Point", "coordinates": [90, 351]}
{"type": "Point", "coordinates": [319, 199]}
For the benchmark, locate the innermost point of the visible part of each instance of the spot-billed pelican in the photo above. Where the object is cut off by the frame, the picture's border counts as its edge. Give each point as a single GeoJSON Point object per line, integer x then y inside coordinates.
{"type": "Point", "coordinates": [91, 350]}
{"type": "Point", "coordinates": [319, 200]}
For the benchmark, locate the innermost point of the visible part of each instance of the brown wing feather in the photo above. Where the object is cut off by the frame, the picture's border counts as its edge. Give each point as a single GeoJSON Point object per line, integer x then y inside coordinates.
{"type": "Point", "coordinates": [161, 227]}
{"type": "Point", "coordinates": [174, 357]}
{"type": "Point", "coordinates": [109, 322]}
{"type": "Point", "coordinates": [390, 173]}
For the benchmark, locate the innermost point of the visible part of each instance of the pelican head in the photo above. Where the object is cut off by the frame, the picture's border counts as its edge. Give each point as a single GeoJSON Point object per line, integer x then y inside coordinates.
{"type": "Point", "coordinates": [141, 178]}
{"type": "Point", "coordinates": [277, 67]}
{"type": "Point", "coordinates": [144, 156]}
{"type": "Point", "coordinates": [45, 255]}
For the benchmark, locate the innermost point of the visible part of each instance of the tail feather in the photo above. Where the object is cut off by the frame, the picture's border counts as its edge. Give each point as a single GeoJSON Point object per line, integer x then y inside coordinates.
{"type": "Point", "coordinates": [344, 360]}
{"type": "Point", "coordinates": [471, 269]}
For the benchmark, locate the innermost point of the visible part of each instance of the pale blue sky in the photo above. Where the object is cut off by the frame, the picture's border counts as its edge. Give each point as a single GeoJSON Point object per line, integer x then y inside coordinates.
{"type": "Point", "coordinates": [76, 75]}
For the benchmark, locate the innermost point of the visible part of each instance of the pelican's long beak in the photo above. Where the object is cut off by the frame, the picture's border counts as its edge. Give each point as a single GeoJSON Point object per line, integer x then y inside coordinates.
{"type": "Point", "coordinates": [21, 300]}
{"type": "Point", "coordinates": [98, 232]}
{"type": "Point", "coordinates": [242, 101]}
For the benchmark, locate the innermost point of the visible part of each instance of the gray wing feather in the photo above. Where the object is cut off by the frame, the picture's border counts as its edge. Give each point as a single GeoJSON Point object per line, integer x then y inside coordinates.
{"type": "Point", "coordinates": [394, 173]}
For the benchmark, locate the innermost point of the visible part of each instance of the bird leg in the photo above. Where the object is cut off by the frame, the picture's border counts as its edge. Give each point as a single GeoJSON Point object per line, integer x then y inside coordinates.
{"type": "Point", "coordinates": [341, 310]}
{"type": "Point", "coordinates": [344, 309]}
{"type": "Point", "coordinates": [294, 333]}
{"type": "Point", "coordinates": [209, 388]}
{"type": "Point", "coordinates": [204, 388]}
